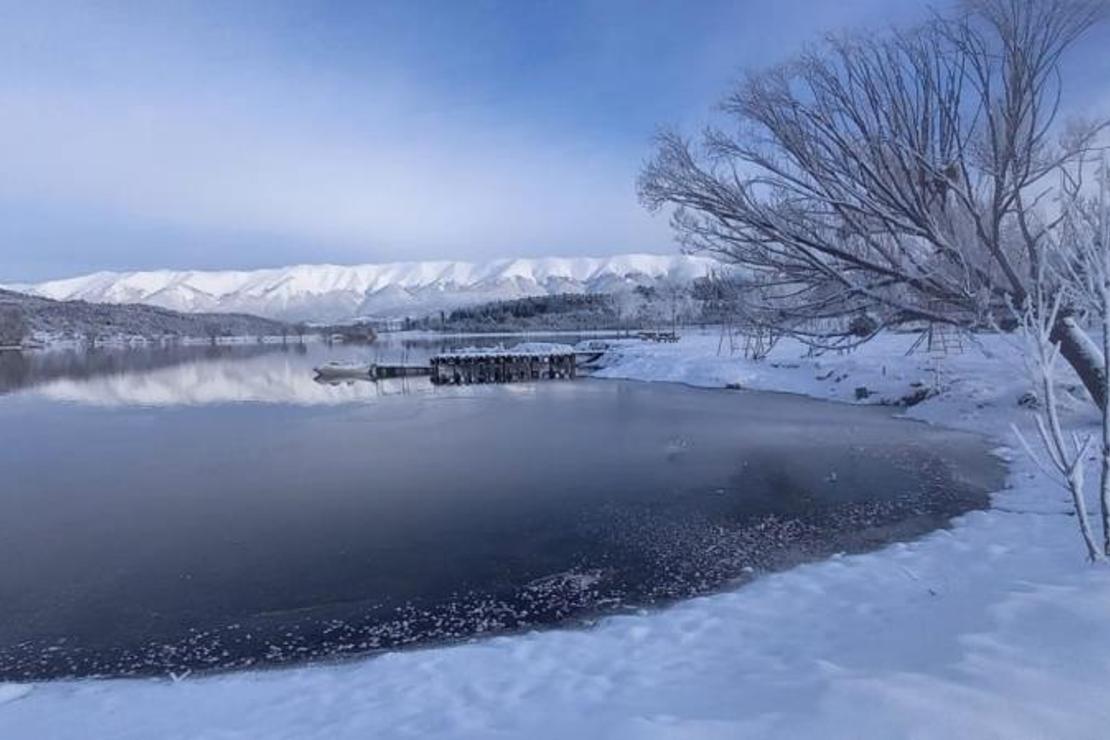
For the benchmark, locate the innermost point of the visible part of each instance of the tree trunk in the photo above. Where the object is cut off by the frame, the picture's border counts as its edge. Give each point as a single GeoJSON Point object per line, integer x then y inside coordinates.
{"type": "Point", "coordinates": [1084, 357]}
{"type": "Point", "coordinates": [1104, 476]}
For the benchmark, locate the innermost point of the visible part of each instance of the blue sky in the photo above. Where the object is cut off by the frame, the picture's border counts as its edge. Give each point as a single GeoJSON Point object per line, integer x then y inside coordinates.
{"type": "Point", "coordinates": [240, 135]}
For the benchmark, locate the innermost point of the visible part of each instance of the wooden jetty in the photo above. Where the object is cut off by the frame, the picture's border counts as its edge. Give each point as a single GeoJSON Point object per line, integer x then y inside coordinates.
{"type": "Point", "coordinates": [521, 363]}
{"type": "Point", "coordinates": [401, 370]}
{"type": "Point", "coordinates": [658, 336]}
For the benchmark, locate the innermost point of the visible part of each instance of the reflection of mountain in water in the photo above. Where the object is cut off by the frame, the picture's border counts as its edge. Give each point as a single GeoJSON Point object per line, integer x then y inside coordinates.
{"type": "Point", "coordinates": [204, 374]}
{"type": "Point", "coordinates": [23, 369]}
{"type": "Point", "coordinates": [172, 376]}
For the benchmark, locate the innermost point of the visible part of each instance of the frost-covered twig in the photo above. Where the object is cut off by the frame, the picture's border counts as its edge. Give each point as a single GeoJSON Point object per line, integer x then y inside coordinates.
{"type": "Point", "coordinates": [1066, 453]}
{"type": "Point", "coordinates": [1081, 246]}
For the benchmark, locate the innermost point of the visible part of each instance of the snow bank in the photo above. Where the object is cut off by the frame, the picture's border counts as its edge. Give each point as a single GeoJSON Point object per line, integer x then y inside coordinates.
{"type": "Point", "coordinates": [994, 628]}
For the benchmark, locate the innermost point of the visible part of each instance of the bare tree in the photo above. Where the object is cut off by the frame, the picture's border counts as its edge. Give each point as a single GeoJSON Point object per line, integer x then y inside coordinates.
{"type": "Point", "coordinates": [629, 306]}
{"type": "Point", "coordinates": [883, 181]}
{"type": "Point", "coordinates": [728, 299]}
{"type": "Point", "coordinates": [677, 303]}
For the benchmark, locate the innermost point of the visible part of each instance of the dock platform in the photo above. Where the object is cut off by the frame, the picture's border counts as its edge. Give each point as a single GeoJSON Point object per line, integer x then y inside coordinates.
{"type": "Point", "coordinates": [521, 363]}
{"type": "Point", "coordinates": [402, 370]}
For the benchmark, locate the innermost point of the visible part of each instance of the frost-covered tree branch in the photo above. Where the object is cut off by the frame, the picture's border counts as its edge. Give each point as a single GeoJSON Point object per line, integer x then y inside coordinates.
{"type": "Point", "coordinates": [1066, 454]}
{"type": "Point", "coordinates": [883, 181]}
{"type": "Point", "coordinates": [1082, 263]}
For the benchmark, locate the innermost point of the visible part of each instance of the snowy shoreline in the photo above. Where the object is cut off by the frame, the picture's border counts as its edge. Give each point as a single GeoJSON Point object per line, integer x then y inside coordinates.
{"type": "Point", "coordinates": [995, 627]}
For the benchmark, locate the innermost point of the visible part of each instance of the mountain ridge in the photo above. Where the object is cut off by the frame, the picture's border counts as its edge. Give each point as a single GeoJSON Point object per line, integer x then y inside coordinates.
{"type": "Point", "coordinates": [328, 292]}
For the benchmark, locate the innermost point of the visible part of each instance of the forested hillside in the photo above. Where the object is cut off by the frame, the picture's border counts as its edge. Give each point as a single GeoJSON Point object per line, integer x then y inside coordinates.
{"type": "Point", "coordinates": [23, 316]}
{"type": "Point", "coordinates": [642, 307]}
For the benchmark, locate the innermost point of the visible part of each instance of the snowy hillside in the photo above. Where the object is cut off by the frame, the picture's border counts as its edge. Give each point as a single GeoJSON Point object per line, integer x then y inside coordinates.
{"type": "Point", "coordinates": [334, 292]}
{"type": "Point", "coordinates": [37, 317]}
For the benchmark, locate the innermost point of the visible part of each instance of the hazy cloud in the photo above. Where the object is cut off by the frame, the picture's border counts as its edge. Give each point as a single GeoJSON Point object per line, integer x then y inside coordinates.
{"type": "Point", "coordinates": [246, 134]}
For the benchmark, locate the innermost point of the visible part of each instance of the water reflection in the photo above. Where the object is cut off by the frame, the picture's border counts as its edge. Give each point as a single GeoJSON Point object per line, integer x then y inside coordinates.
{"type": "Point", "coordinates": [233, 378]}
{"type": "Point", "coordinates": [180, 375]}
{"type": "Point", "coordinates": [22, 370]}
{"type": "Point", "coordinates": [179, 508]}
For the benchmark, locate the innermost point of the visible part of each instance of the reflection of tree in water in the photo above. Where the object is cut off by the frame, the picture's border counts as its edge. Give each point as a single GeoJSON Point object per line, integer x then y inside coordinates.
{"type": "Point", "coordinates": [775, 512]}
{"type": "Point", "coordinates": [26, 369]}
{"type": "Point", "coordinates": [774, 488]}
{"type": "Point", "coordinates": [775, 482]}
{"type": "Point", "coordinates": [851, 486]}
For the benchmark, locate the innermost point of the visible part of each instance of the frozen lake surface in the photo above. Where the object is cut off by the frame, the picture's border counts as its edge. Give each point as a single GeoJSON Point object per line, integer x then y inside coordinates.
{"type": "Point", "coordinates": [214, 508]}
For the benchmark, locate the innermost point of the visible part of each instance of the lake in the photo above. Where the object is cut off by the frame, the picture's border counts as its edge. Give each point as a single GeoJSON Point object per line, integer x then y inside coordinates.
{"type": "Point", "coordinates": [209, 508]}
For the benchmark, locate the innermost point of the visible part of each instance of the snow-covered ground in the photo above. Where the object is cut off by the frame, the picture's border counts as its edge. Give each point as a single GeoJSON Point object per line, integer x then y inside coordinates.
{"type": "Point", "coordinates": [993, 628]}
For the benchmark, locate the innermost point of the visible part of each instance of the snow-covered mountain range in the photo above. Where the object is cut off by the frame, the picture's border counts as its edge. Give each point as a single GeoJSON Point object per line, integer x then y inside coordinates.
{"type": "Point", "coordinates": [336, 292]}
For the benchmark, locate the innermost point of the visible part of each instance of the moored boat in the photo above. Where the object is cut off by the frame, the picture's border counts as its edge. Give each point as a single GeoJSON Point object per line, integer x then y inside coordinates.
{"type": "Point", "coordinates": [345, 370]}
